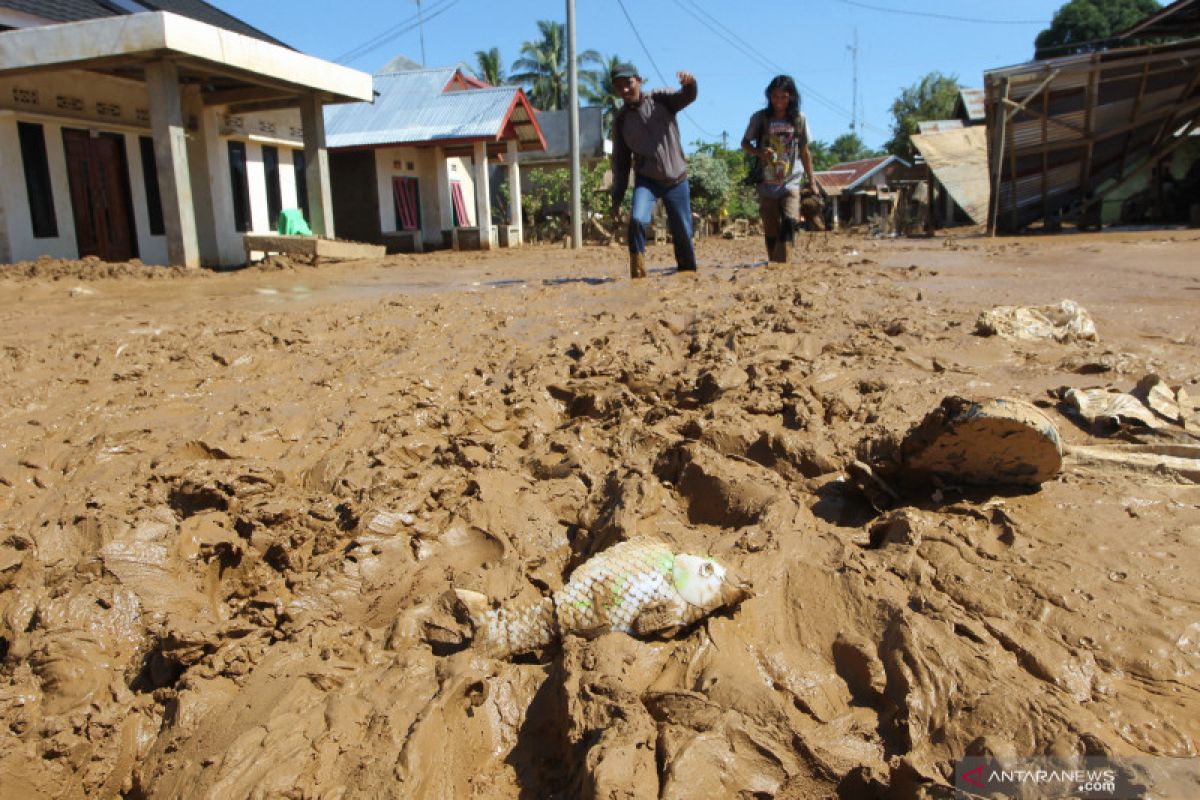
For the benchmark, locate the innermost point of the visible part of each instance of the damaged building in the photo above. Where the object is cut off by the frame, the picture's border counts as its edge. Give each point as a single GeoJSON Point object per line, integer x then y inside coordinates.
{"type": "Point", "coordinates": [1100, 138]}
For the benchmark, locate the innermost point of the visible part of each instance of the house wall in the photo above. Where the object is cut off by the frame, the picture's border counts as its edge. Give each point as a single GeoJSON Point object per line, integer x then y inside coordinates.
{"type": "Point", "coordinates": [69, 100]}
{"type": "Point", "coordinates": [420, 163]}
{"type": "Point", "coordinates": [279, 129]}
{"type": "Point", "coordinates": [76, 99]}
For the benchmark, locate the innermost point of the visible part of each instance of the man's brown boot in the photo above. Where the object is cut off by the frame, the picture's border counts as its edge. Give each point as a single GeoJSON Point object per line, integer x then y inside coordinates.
{"type": "Point", "coordinates": [781, 253]}
{"type": "Point", "coordinates": [637, 265]}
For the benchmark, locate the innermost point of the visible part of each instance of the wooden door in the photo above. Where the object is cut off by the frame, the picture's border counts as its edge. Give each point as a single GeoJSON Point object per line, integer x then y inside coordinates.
{"type": "Point", "coordinates": [407, 198]}
{"type": "Point", "coordinates": [99, 183]}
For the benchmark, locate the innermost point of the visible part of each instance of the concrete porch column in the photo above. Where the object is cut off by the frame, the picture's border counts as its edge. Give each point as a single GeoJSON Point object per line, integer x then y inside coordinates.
{"type": "Point", "coordinates": [445, 200]}
{"type": "Point", "coordinates": [316, 165]}
{"type": "Point", "coordinates": [171, 162]}
{"type": "Point", "coordinates": [514, 192]}
{"type": "Point", "coordinates": [483, 197]}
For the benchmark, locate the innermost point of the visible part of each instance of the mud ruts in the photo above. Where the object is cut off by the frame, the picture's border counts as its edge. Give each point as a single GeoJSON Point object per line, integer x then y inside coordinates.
{"type": "Point", "coordinates": [638, 587]}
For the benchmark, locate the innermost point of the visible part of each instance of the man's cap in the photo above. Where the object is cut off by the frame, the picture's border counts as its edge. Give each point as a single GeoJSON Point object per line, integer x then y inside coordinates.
{"type": "Point", "coordinates": [625, 70]}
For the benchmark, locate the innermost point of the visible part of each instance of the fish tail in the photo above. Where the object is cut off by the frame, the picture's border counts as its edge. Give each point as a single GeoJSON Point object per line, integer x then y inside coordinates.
{"type": "Point", "coordinates": [502, 632]}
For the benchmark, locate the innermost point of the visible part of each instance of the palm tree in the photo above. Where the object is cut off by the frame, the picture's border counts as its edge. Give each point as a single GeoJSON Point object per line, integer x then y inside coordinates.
{"type": "Point", "coordinates": [542, 67]}
{"type": "Point", "coordinates": [488, 66]}
{"type": "Point", "coordinates": [599, 89]}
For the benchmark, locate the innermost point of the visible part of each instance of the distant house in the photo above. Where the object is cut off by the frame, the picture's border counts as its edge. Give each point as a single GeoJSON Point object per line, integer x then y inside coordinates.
{"type": "Point", "coordinates": [157, 129]}
{"type": "Point", "coordinates": [858, 190]}
{"type": "Point", "coordinates": [593, 146]}
{"type": "Point", "coordinates": [412, 169]}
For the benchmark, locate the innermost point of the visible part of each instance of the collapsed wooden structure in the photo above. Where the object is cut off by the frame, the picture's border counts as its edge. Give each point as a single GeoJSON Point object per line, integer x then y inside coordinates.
{"type": "Point", "coordinates": [1066, 133]}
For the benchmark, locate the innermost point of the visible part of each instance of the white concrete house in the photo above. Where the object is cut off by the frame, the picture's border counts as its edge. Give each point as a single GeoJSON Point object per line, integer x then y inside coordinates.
{"type": "Point", "coordinates": [424, 148]}
{"type": "Point", "coordinates": [156, 135]}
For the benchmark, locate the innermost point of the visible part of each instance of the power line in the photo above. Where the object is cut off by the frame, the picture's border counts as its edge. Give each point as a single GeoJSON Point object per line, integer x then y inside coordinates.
{"type": "Point", "coordinates": [934, 15]}
{"type": "Point", "coordinates": [654, 64]}
{"type": "Point", "coordinates": [399, 29]}
{"type": "Point", "coordinates": [732, 38]}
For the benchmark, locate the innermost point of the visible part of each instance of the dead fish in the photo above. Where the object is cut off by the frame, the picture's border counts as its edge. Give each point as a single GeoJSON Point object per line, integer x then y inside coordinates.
{"type": "Point", "coordinates": [639, 587]}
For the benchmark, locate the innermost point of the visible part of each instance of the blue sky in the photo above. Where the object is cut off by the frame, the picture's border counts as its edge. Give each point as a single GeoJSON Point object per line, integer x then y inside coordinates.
{"type": "Point", "coordinates": [733, 48]}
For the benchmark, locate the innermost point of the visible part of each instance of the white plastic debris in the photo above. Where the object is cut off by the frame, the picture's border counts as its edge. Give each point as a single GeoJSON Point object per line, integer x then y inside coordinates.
{"type": "Point", "coordinates": [1064, 322]}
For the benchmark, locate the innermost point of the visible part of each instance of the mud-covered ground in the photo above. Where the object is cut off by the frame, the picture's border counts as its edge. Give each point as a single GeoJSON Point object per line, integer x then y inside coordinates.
{"type": "Point", "coordinates": [228, 502]}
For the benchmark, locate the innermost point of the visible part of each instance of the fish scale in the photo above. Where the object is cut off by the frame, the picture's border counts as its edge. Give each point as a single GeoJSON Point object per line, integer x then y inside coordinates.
{"type": "Point", "coordinates": [608, 592]}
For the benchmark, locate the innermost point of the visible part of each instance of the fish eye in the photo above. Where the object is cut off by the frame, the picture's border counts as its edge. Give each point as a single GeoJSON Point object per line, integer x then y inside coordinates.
{"type": "Point", "coordinates": [706, 569]}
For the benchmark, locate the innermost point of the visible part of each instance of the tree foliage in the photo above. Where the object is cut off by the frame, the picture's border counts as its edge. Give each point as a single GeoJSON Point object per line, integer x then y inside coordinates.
{"type": "Point", "coordinates": [932, 97]}
{"type": "Point", "coordinates": [1081, 26]}
{"type": "Point", "coordinates": [546, 200]}
{"type": "Point", "coordinates": [598, 88]}
{"type": "Point", "coordinates": [739, 200]}
{"type": "Point", "coordinates": [489, 67]}
{"type": "Point", "coordinates": [849, 147]}
{"type": "Point", "coordinates": [708, 178]}
{"type": "Point", "coordinates": [822, 157]}
{"type": "Point", "coordinates": [542, 67]}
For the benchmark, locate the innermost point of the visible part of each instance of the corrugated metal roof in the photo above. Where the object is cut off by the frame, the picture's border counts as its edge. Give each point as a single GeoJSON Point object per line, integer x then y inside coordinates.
{"type": "Point", "coordinates": [76, 10]}
{"type": "Point", "coordinates": [959, 160]}
{"type": "Point", "coordinates": [411, 107]}
{"type": "Point", "coordinates": [971, 105]}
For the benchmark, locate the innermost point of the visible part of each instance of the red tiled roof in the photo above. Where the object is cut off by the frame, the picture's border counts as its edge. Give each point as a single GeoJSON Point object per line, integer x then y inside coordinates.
{"type": "Point", "coordinates": [848, 173]}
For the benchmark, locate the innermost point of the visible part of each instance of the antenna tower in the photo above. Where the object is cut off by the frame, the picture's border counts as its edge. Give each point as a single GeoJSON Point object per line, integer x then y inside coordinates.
{"type": "Point", "coordinates": [854, 109]}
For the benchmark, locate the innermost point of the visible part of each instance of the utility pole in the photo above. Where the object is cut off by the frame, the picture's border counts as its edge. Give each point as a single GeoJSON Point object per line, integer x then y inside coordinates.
{"type": "Point", "coordinates": [854, 89]}
{"type": "Point", "coordinates": [421, 28]}
{"type": "Point", "coordinates": [573, 129]}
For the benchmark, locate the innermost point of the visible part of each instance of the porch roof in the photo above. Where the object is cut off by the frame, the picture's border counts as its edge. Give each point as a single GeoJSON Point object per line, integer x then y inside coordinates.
{"type": "Point", "coordinates": [230, 68]}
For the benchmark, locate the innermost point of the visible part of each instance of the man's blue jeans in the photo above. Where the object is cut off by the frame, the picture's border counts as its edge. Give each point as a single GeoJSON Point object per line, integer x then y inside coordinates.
{"type": "Point", "coordinates": [677, 200]}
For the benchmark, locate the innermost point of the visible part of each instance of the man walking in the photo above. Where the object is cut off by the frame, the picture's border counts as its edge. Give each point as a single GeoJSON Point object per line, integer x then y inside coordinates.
{"type": "Point", "coordinates": [645, 132]}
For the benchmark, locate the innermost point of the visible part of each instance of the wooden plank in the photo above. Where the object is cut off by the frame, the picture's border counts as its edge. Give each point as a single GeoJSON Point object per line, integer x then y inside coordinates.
{"type": "Point", "coordinates": [1085, 174]}
{"type": "Point", "coordinates": [311, 246]}
{"type": "Point", "coordinates": [997, 184]}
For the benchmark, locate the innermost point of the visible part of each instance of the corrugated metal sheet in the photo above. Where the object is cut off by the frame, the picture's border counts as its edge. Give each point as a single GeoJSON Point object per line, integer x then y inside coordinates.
{"type": "Point", "coordinates": [935, 125]}
{"type": "Point", "coordinates": [1087, 120]}
{"type": "Point", "coordinates": [411, 107]}
{"type": "Point", "coordinates": [959, 160]}
{"type": "Point", "coordinates": [971, 104]}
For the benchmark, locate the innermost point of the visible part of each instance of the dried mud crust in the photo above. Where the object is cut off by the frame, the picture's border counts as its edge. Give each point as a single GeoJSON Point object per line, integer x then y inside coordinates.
{"type": "Point", "coordinates": [91, 268]}
{"type": "Point", "coordinates": [226, 523]}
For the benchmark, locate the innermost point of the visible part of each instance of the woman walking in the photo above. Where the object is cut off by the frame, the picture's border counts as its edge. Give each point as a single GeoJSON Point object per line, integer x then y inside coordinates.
{"type": "Point", "coordinates": [778, 137]}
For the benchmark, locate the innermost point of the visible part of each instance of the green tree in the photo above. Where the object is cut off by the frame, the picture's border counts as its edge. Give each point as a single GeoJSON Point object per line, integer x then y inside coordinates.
{"type": "Point", "coordinates": [848, 147]}
{"type": "Point", "coordinates": [708, 178]}
{"type": "Point", "coordinates": [932, 97]}
{"type": "Point", "coordinates": [598, 88]}
{"type": "Point", "coordinates": [542, 67]}
{"type": "Point", "coordinates": [546, 195]}
{"type": "Point", "coordinates": [822, 156]}
{"type": "Point", "coordinates": [740, 200]}
{"type": "Point", "coordinates": [488, 66]}
{"type": "Point", "coordinates": [1081, 26]}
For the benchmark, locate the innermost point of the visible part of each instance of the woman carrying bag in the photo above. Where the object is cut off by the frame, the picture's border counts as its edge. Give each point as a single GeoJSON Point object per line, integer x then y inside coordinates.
{"type": "Point", "coordinates": [777, 137]}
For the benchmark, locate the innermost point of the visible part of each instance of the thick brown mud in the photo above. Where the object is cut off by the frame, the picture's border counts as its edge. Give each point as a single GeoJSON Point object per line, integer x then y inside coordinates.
{"type": "Point", "coordinates": [229, 503]}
